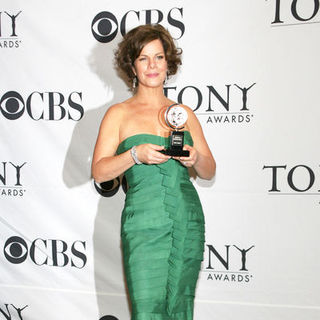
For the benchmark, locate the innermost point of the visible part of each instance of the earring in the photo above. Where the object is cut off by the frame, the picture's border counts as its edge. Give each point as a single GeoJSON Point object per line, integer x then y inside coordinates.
{"type": "Point", "coordinates": [134, 82]}
{"type": "Point", "coordinates": [166, 79]}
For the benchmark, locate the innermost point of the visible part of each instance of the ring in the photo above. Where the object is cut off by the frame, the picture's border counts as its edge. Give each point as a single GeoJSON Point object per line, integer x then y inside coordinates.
{"type": "Point", "coordinates": [185, 163]}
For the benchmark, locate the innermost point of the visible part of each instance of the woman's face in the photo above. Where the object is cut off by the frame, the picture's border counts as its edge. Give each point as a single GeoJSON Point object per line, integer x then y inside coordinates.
{"type": "Point", "coordinates": [151, 65]}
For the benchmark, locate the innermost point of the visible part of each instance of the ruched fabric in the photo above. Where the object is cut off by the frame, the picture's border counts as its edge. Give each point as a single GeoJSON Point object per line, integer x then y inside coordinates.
{"type": "Point", "coordinates": [162, 231]}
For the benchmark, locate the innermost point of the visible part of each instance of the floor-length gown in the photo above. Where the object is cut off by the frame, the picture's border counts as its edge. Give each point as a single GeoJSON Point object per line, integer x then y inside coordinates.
{"type": "Point", "coordinates": [162, 231]}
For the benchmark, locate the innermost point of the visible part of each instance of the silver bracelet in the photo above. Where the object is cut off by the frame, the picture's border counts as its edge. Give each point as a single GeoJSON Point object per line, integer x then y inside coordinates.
{"type": "Point", "coordinates": [133, 152]}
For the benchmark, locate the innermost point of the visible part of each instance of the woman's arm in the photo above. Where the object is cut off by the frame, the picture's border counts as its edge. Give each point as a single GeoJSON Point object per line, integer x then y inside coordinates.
{"type": "Point", "coordinates": [105, 164]}
{"type": "Point", "coordinates": [200, 158]}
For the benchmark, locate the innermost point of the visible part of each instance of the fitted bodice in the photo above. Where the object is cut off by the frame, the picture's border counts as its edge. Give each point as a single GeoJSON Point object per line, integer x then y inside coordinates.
{"type": "Point", "coordinates": [138, 174]}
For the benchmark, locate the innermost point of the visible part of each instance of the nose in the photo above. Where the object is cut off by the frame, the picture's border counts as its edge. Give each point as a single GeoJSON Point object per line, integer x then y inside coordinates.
{"type": "Point", "coordinates": [152, 63]}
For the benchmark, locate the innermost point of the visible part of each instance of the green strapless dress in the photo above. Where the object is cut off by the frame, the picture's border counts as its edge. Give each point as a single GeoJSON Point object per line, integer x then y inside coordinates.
{"type": "Point", "coordinates": [162, 232]}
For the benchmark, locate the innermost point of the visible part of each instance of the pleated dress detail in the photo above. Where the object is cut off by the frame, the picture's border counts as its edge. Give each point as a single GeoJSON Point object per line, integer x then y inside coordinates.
{"type": "Point", "coordinates": [162, 232]}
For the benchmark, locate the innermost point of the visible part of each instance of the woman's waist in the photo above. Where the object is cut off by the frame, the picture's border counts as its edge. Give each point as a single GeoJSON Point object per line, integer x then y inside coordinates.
{"type": "Point", "coordinates": [155, 190]}
{"type": "Point", "coordinates": [144, 177]}
{"type": "Point", "coordinates": [156, 182]}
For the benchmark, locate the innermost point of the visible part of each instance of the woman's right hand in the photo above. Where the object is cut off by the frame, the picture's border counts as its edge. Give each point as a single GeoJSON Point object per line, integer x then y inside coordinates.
{"type": "Point", "coordinates": [149, 154]}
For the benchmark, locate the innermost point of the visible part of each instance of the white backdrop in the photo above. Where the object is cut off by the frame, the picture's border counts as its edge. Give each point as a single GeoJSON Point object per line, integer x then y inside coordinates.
{"type": "Point", "coordinates": [251, 72]}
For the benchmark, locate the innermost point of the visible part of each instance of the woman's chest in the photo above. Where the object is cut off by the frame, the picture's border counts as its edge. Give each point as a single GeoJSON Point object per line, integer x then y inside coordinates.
{"type": "Point", "coordinates": [145, 121]}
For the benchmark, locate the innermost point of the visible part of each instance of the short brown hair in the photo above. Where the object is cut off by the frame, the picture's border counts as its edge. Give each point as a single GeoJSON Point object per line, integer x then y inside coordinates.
{"type": "Point", "coordinates": [133, 42]}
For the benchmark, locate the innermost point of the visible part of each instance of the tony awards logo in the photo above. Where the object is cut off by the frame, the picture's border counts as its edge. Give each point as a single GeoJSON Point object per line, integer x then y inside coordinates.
{"type": "Point", "coordinates": [175, 117]}
{"type": "Point", "coordinates": [9, 37]}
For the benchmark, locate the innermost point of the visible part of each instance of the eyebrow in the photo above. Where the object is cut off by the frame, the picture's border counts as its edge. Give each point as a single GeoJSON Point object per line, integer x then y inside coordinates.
{"type": "Point", "coordinates": [161, 52]}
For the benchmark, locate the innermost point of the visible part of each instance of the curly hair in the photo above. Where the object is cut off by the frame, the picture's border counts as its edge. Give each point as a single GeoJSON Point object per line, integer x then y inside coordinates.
{"type": "Point", "coordinates": [134, 41]}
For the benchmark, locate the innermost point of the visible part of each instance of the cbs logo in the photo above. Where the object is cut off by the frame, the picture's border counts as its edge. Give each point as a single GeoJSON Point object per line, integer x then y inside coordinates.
{"type": "Point", "coordinates": [42, 106]}
{"type": "Point", "coordinates": [105, 25]}
{"type": "Point", "coordinates": [50, 252]}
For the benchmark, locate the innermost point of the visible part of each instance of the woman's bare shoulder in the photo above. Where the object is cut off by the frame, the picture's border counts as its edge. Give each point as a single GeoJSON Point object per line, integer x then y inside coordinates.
{"type": "Point", "coordinates": [186, 107]}
{"type": "Point", "coordinates": [191, 114]}
{"type": "Point", "coordinates": [115, 112]}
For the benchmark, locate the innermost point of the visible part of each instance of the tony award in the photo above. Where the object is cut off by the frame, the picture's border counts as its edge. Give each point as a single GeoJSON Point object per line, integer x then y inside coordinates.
{"type": "Point", "coordinates": [175, 118]}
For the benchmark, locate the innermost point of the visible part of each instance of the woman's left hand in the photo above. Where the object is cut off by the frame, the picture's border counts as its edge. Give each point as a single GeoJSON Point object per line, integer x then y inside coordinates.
{"type": "Point", "coordinates": [191, 160]}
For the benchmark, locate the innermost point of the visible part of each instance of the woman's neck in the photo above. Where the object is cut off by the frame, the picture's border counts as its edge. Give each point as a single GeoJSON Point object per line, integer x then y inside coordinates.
{"type": "Point", "coordinates": [151, 96]}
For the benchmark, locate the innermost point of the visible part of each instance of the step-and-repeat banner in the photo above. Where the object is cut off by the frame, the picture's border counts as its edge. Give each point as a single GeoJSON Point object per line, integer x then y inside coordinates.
{"type": "Point", "coordinates": [250, 72]}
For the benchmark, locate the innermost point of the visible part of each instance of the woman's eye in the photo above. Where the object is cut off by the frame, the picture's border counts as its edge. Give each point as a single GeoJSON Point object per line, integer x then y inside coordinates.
{"type": "Point", "coordinates": [160, 57]}
{"type": "Point", "coordinates": [142, 59]}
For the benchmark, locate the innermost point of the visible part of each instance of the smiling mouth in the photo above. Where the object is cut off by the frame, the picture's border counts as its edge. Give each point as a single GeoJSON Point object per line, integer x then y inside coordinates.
{"type": "Point", "coordinates": [152, 75]}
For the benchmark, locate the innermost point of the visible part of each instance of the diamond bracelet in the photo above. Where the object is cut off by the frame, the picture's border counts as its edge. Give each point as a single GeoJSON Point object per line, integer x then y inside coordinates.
{"type": "Point", "coordinates": [133, 152]}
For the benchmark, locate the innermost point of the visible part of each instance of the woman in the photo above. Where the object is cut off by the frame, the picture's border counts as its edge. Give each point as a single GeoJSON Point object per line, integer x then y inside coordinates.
{"type": "Point", "coordinates": [162, 224]}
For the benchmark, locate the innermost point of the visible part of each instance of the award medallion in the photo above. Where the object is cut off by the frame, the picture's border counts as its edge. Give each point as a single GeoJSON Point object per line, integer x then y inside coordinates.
{"type": "Point", "coordinates": [176, 117]}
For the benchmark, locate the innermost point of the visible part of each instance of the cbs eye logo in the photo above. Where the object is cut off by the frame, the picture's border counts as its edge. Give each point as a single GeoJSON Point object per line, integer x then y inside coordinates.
{"type": "Point", "coordinates": [12, 105]}
{"type": "Point", "coordinates": [15, 250]}
{"type": "Point", "coordinates": [104, 26]}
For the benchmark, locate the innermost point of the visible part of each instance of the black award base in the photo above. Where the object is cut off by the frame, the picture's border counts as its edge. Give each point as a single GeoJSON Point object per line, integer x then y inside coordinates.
{"type": "Point", "coordinates": [176, 152]}
{"type": "Point", "coordinates": [176, 145]}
